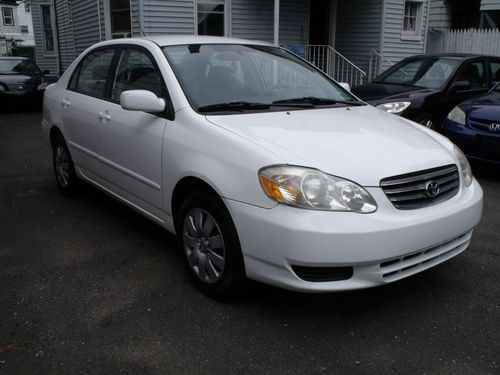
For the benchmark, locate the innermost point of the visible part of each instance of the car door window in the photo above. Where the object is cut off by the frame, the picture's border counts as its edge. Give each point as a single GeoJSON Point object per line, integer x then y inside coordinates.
{"type": "Point", "coordinates": [136, 71]}
{"type": "Point", "coordinates": [93, 73]}
{"type": "Point", "coordinates": [495, 70]}
{"type": "Point", "coordinates": [474, 74]}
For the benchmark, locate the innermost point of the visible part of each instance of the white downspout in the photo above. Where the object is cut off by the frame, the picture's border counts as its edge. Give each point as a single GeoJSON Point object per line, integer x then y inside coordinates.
{"type": "Point", "coordinates": [99, 20]}
{"type": "Point", "coordinates": [276, 39]}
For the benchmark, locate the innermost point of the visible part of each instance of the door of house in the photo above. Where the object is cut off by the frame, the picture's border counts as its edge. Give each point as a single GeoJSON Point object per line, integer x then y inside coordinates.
{"type": "Point", "coordinates": [319, 22]}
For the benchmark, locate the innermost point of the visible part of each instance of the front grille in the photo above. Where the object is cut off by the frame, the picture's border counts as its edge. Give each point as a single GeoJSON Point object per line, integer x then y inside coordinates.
{"type": "Point", "coordinates": [400, 268]}
{"type": "Point", "coordinates": [411, 191]}
{"type": "Point", "coordinates": [323, 274]}
{"type": "Point", "coordinates": [480, 124]}
{"type": "Point", "coordinates": [25, 87]}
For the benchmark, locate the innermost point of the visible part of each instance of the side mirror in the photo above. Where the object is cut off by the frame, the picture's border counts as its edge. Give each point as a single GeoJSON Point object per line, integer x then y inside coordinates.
{"type": "Point", "coordinates": [46, 72]}
{"type": "Point", "coordinates": [141, 100]}
{"type": "Point", "coordinates": [345, 86]}
{"type": "Point", "coordinates": [458, 86]}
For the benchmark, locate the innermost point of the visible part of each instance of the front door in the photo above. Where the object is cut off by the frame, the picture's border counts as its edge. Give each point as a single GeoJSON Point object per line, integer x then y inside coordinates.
{"type": "Point", "coordinates": [130, 142]}
{"type": "Point", "coordinates": [319, 22]}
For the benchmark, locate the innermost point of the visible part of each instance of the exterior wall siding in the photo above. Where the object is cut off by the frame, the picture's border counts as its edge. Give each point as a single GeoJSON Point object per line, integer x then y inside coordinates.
{"type": "Point", "coordinates": [253, 19]}
{"type": "Point", "coordinates": [8, 30]}
{"type": "Point", "coordinates": [165, 17]}
{"type": "Point", "coordinates": [87, 26]}
{"type": "Point", "coordinates": [393, 46]}
{"type": "Point", "coordinates": [294, 21]}
{"type": "Point", "coordinates": [439, 14]}
{"type": "Point", "coordinates": [487, 5]}
{"type": "Point", "coordinates": [137, 21]}
{"type": "Point", "coordinates": [65, 36]}
{"type": "Point", "coordinates": [358, 31]}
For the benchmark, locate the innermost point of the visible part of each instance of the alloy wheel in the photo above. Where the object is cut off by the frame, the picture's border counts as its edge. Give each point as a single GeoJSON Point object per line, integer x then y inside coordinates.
{"type": "Point", "coordinates": [61, 165]}
{"type": "Point", "coordinates": [204, 245]}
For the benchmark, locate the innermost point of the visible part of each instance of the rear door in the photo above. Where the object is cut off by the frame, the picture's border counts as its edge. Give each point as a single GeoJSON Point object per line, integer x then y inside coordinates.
{"type": "Point", "coordinates": [81, 103]}
{"type": "Point", "coordinates": [130, 142]}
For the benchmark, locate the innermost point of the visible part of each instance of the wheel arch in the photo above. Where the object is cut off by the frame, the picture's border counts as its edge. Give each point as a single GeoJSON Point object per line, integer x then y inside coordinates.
{"type": "Point", "coordinates": [184, 187]}
{"type": "Point", "coordinates": [54, 132]}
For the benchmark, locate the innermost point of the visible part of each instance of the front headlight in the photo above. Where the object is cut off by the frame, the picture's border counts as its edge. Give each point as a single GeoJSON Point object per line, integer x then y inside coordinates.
{"type": "Point", "coordinates": [465, 168]}
{"type": "Point", "coordinates": [2, 88]}
{"type": "Point", "coordinates": [312, 189]}
{"type": "Point", "coordinates": [396, 107]}
{"type": "Point", "coordinates": [457, 115]}
{"type": "Point", "coordinates": [42, 86]}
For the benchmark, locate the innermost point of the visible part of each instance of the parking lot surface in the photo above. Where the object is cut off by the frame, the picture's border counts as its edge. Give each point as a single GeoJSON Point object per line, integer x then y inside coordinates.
{"type": "Point", "coordinates": [89, 286]}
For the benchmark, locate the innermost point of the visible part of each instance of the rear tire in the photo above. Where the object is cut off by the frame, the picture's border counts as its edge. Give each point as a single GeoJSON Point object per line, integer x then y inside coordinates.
{"type": "Point", "coordinates": [210, 244]}
{"type": "Point", "coordinates": [64, 169]}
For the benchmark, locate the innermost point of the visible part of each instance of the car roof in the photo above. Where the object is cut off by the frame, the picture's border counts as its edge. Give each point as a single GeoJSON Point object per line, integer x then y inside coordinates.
{"type": "Point", "coordinates": [181, 39]}
{"type": "Point", "coordinates": [458, 56]}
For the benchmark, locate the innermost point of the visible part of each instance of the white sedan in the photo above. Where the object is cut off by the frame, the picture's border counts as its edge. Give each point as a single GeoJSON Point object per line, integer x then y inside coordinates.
{"type": "Point", "coordinates": [264, 167]}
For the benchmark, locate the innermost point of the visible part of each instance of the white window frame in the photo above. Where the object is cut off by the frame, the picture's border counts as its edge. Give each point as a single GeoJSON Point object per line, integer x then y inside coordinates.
{"type": "Point", "coordinates": [12, 23]}
{"type": "Point", "coordinates": [417, 34]}
{"type": "Point", "coordinates": [227, 14]}
{"type": "Point", "coordinates": [52, 21]}
{"type": "Point", "coordinates": [24, 29]}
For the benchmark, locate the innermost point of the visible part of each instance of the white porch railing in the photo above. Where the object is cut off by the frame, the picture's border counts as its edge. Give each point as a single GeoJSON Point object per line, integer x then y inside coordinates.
{"type": "Point", "coordinates": [377, 64]}
{"type": "Point", "coordinates": [334, 64]}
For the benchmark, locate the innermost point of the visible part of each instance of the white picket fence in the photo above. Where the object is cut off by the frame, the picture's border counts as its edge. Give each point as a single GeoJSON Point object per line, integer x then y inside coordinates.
{"type": "Point", "coordinates": [486, 42]}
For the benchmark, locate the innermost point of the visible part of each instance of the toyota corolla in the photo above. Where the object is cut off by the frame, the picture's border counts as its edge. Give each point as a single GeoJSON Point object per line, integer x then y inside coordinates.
{"type": "Point", "coordinates": [264, 167]}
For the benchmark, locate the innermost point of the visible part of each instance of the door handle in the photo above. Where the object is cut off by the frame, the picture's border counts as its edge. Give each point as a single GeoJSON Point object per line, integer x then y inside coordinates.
{"type": "Point", "coordinates": [104, 116]}
{"type": "Point", "coordinates": [66, 103]}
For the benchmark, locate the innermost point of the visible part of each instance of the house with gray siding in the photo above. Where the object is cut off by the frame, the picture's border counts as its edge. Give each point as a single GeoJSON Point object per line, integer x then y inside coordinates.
{"type": "Point", "coordinates": [339, 36]}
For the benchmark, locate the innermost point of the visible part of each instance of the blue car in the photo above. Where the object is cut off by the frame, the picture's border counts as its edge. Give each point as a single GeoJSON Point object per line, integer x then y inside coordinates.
{"type": "Point", "coordinates": [474, 126]}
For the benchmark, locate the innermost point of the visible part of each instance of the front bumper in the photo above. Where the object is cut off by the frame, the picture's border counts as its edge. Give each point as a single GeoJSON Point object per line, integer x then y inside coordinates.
{"type": "Point", "coordinates": [476, 144]}
{"type": "Point", "coordinates": [377, 246]}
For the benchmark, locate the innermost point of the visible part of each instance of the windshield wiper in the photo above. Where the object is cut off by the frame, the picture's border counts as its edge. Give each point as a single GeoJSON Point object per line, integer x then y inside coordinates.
{"type": "Point", "coordinates": [233, 106]}
{"type": "Point", "coordinates": [313, 100]}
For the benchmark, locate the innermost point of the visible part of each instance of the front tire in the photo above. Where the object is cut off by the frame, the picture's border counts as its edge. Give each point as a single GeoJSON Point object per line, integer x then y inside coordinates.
{"type": "Point", "coordinates": [426, 120]}
{"type": "Point", "coordinates": [64, 169]}
{"type": "Point", "coordinates": [209, 241]}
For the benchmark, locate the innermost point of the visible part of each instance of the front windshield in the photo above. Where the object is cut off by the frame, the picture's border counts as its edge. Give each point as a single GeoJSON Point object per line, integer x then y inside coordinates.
{"type": "Point", "coordinates": [426, 72]}
{"type": "Point", "coordinates": [211, 74]}
{"type": "Point", "coordinates": [18, 66]}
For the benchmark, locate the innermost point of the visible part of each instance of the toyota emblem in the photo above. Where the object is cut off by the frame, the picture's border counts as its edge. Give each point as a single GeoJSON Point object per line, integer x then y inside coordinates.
{"type": "Point", "coordinates": [432, 189]}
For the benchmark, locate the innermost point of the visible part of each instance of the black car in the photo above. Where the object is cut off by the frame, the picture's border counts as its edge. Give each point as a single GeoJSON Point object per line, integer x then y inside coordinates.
{"type": "Point", "coordinates": [21, 80]}
{"type": "Point", "coordinates": [426, 88]}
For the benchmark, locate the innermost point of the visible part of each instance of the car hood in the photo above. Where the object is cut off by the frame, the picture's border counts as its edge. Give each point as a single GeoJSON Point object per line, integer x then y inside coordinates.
{"type": "Point", "coordinates": [381, 93]}
{"type": "Point", "coordinates": [485, 107]}
{"type": "Point", "coordinates": [362, 144]}
{"type": "Point", "coordinates": [16, 79]}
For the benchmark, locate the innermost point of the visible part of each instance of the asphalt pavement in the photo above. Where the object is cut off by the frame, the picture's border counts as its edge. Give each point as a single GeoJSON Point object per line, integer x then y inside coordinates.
{"type": "Point", "coordinates": [87, 286]}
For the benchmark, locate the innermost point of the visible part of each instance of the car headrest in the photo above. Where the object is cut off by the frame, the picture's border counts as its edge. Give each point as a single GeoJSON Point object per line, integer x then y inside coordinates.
{"type": "Point", "coordinates": [220, 76]}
